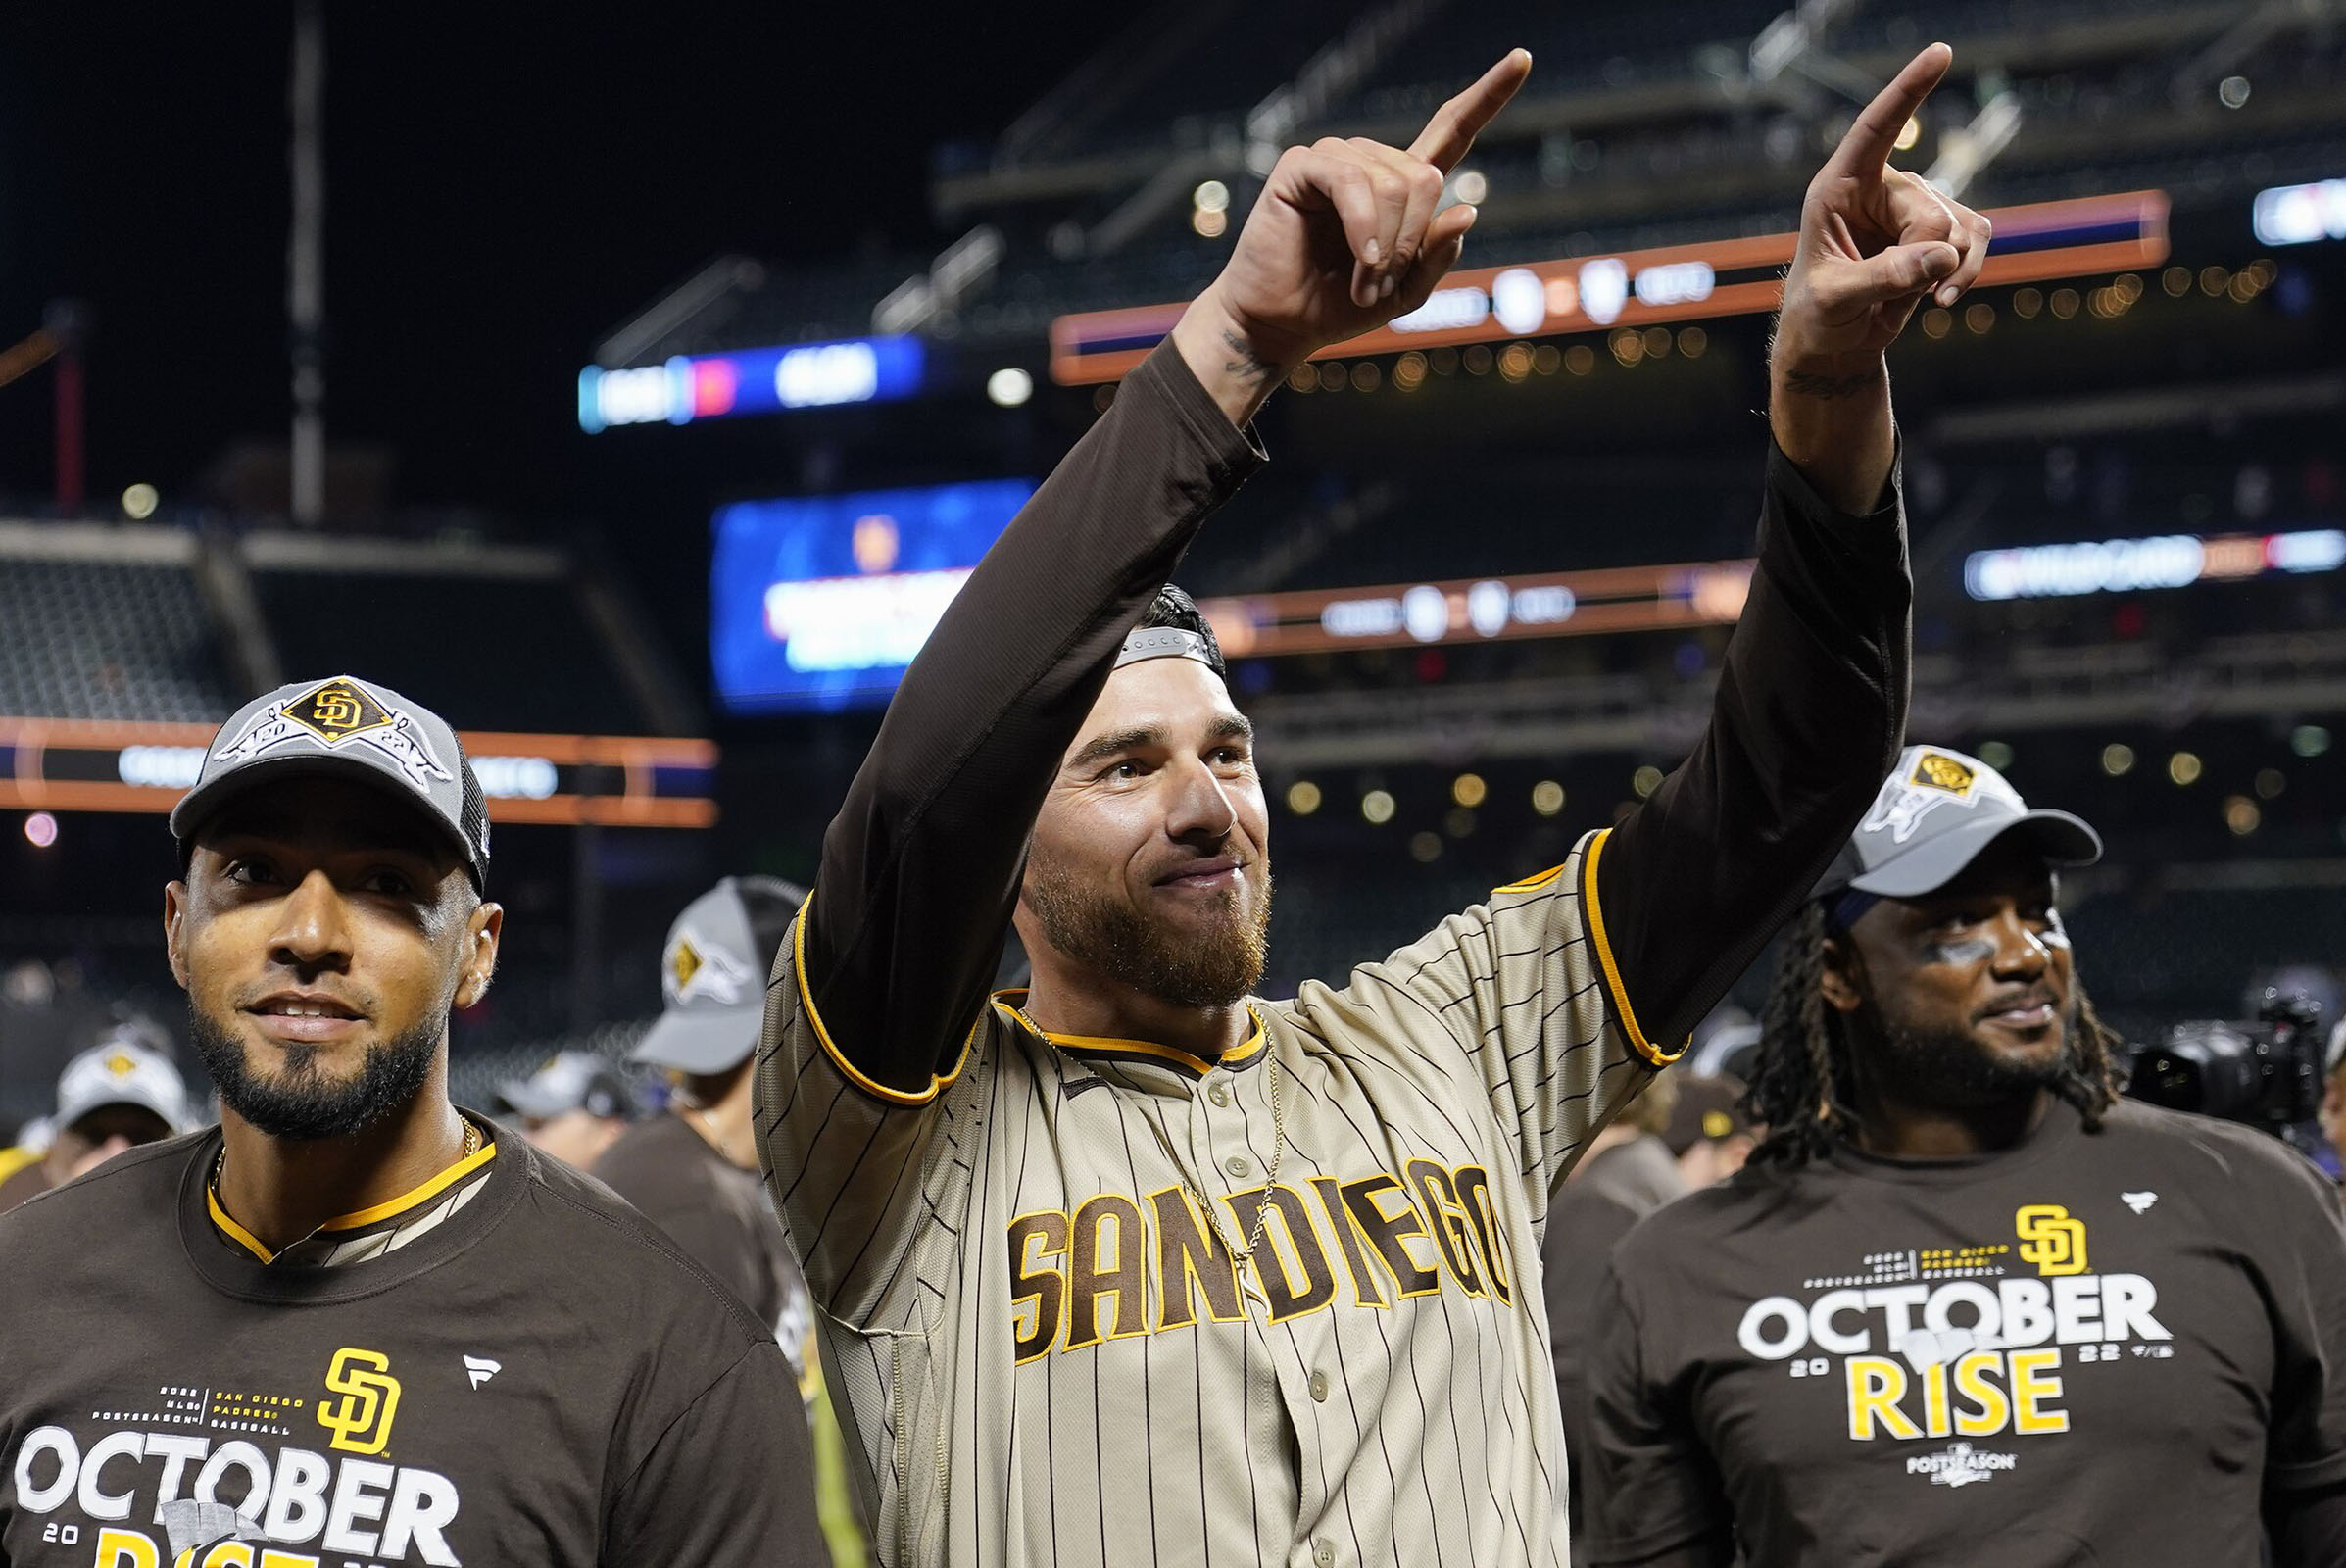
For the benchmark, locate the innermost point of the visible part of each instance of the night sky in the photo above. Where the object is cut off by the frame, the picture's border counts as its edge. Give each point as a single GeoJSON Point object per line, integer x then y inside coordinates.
{"type": "Point", "coordinates": [505, 184]}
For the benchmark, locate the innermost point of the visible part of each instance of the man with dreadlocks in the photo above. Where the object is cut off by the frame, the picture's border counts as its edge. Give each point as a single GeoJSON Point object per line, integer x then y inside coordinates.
{"type": "Point", "coordinates": [1965, 1303]}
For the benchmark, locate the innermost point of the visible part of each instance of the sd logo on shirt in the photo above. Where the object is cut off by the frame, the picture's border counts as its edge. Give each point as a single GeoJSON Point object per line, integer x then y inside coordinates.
{"type": "Point", "coordinates": [361, 1420]}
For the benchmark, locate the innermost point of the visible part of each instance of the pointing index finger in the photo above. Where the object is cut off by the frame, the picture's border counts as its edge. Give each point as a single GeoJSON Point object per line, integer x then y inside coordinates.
{"type": "Point", "coordinates": [1875, 134]}
{"type": "Point", "coordinates": [1457, 124]}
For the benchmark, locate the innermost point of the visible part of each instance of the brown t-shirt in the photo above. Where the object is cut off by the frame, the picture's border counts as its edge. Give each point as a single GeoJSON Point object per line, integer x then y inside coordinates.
{"type": "Point", "coordinates": [2096, 1348]}
{"type": "Point", "coordinates": [542, 1380]}
{"type": "Point", "coordinates": [718, 1213]}
{"type": "Point", "coordinates": [24, 1183]}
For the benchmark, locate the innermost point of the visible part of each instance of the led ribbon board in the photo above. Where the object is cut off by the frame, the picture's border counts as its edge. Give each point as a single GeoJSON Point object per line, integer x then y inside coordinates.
{"type": "Point", "coordinates": [1556, 604]}
{"type": "Point", "coordinates": [2131, 565]}
{"type": "Point", "coordinates": [1636, 288]}
{"type": "Point", "coordinates": [59, 764]}
{"type": "Point", "coordinates": [775, 381]}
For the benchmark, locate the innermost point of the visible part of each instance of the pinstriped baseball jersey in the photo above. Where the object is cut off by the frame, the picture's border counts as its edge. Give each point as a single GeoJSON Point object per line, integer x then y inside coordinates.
{"type": "Point", "coordinates": [1044, 1349]}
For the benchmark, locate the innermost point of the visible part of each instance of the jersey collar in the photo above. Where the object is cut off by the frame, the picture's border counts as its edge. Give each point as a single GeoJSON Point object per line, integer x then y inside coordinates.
{"type": "Point", "coordinates": [1142, 1053]}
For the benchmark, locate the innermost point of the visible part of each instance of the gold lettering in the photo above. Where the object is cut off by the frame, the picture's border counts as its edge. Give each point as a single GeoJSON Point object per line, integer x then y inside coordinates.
{"type": "Point", "coordinates": [1875, 1386]}
{"type": "Point", "coordinates": [1190, 1256]}
{"type": "Point", "coordinates": [1389, 1234]}
{"type": "Point", "coordinates": [1449, 1222]}
{"type": "Point", "coordinates": [2031, 1385]}
{"type": "Point", "coordinates": [1036, 1287]}
{"type": "Point", "coordinates": [1366, 1289]}
{"type": "Point", "coordinates": [1287, 1297]}
{"type": "Point", "coordinates": [1103, 1264]}
{"type": "Point", "coordinates": [1992, 1410]}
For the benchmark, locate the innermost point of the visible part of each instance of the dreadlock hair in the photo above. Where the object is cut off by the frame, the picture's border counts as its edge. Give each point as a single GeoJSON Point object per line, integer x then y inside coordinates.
{"type": "Point", "coordinates": [1802, 1084]}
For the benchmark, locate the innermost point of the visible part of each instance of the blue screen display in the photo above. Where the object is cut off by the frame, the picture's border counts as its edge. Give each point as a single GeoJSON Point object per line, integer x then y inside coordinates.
{"type": "Point", "coordinates": [818, 603]}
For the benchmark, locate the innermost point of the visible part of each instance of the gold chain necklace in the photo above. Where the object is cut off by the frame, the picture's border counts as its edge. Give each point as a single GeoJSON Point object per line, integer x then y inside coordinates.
{"type": "Point", "coordinates": [1243, 1255]}
{"type": "Point", "coordinates": [470, 1148]}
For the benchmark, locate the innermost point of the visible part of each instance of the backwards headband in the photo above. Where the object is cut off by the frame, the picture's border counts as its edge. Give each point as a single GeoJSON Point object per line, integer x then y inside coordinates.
{"type": "Point", "coordinates": [1166, 642]}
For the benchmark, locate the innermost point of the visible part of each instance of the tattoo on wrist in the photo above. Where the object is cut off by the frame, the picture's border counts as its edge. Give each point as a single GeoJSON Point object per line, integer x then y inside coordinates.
{"type": "Point", "coordinates": [1811, 384]}
{"type": "Point", "coordinates": [1245, 364]}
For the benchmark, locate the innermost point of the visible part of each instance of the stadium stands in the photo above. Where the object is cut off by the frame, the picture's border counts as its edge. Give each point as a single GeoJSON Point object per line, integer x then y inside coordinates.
{"type": "Point", "coordinates": [98, 638]}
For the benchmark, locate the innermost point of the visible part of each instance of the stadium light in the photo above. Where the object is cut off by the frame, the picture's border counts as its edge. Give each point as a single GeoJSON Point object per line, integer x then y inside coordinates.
{"type": "Point", "coordinates": [40, 828]}
{"type": "Point", "coordinates": [2299, 214]}
{"type": "Point", "coordinates": [1009, 386]}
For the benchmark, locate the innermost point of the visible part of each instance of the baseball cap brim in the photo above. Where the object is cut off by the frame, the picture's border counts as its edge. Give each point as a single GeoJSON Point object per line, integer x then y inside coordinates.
{"type": "Point", "coordinates": [701, 1042]}
{"type": "Point", "coordinates": [2061, 839]}
{"type": "Point", "coordinates": [530, 1100]}
{"type": "Point", "coordinates": [201, 804]}
{"type": "Point", "coordinates": [169, 1115]}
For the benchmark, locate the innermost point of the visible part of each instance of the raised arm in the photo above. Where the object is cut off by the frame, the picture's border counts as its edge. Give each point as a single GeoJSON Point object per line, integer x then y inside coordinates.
{"type": "Point", "coordinates": [920, 870]}
{"type": "Point", "coordinates": [1811, 706]}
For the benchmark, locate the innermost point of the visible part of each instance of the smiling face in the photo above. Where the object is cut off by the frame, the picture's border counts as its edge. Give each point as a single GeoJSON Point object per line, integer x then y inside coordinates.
{"type": "Point", "coordinates": [323, 934]}
{"type": "Point", "coordinates": [1965, 996]}
{"type": "Point", "coordinates": [1151, 864]}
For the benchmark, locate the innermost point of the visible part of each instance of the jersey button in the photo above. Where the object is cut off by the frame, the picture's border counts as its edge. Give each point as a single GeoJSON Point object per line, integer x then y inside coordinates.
{"type": "Point", "coordinates": [1319, 1387]}
{"type": "Point", "coordinates": [1323, 1554]}
{"type": "Point", "coordinates": [1239, 1165]}
{"type": "Point", "coordinates": [1219, 1093]}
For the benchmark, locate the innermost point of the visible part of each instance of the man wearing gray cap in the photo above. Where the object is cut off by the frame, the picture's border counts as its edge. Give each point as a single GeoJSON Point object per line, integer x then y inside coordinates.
{"type": "Point", "coordinates": [354, 1323]}
{"type": "Point", "coordinates": [574, 1107]}
{"type": "Point", "coordinates": [119, 1093]}
{"type": "Point", "coordinates": [694, 1172]}
{"type": "Point", "coordinates": [1963, 1301]}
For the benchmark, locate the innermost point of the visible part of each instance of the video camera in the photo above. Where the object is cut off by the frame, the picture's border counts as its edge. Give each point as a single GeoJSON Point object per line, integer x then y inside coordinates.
{"type": "Point", "coordinates": [2266, 1074]}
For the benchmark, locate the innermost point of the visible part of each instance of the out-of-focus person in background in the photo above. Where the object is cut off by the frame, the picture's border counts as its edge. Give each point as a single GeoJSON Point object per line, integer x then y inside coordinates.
{"type": "Point", "coordinates": [2332, 1114]}
{"type": "Point", "coordinates": [1964, 1302]}
{"type": "Point", "coordinates": [1628, 1173]}
{"type": "Point", "coordinates": [694, 1170]}
{"type": "Point", "coordinates": [1708, 1132]}
{"type": "Point", "coordinates": [574, 1107]}
{"type": "Point", "coordinates": [119, 1093]}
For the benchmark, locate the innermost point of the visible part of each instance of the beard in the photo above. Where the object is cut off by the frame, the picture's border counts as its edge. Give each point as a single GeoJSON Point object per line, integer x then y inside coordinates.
{"type": "Point", "coordinates": [302, 1102]}
{"type": "Point", "coordinates": [1181, 967]}
{"type": "Point", "coordinates": [1933, 1066]}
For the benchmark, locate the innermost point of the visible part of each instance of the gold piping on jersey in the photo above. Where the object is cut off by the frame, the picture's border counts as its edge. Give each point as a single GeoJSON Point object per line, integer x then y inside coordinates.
{"type": "Point", "coordinates": [1645, 1047]}
{"type": "Point", "coordinates": [1531, 884]}
{"type": "Point", "coordinates": [1080, 1045]}
{"type": "Point", "coordinates": [900, 1096]}
{"type": "Point", "coordinates": [415, 1197]}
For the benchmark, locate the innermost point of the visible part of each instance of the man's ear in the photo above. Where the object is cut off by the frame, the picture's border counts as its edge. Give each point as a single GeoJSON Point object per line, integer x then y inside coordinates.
{"type": "Point", "coordinates": [175, 928]}
{"type": "Point", "coordinates": [483, 927]}
{"type": "Point", "coordinates": [1842, 978]}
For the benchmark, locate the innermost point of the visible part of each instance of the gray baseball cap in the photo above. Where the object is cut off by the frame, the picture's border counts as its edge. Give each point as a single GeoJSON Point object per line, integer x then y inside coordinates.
{"type": "Point", "coordinates": [712, 975]}
{"type": "Point", "coordinates": [571, 1080]}
{"type": "Point", "coordinates": [1934, 814]}
{"type": "Point", "coordinates": [121, 1070]}
{"type": "Point", "coordinates": [346, 728]}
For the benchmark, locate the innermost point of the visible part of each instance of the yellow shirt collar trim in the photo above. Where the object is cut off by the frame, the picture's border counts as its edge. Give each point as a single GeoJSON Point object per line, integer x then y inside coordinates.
{"type": "Point", "coordinates": [413, 1198]}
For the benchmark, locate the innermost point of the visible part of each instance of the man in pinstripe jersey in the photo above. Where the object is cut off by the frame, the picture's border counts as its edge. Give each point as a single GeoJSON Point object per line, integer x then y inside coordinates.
{"type": "Point", "coordinates": [1134, 1267]}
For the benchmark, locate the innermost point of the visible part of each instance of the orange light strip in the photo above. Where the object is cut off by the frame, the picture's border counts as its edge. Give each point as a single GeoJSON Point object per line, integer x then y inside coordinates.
{"type": "Point", "coordinates": [2142, 212]}
{"type": "Point", "coordinates": [26, 786]}
{"type": "Point", "coordinates": [1476, 609]}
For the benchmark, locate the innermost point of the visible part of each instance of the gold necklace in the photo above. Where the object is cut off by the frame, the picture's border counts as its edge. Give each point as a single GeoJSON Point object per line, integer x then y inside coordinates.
{"type": "Point", "coordinates": [1243, 1255]}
